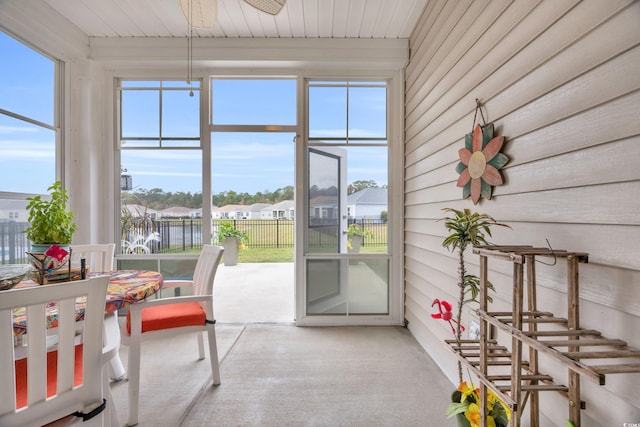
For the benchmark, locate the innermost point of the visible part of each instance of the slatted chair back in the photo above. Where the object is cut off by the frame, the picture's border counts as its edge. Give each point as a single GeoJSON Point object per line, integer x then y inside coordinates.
{"type": "Point", "coordinates": [58, 381]}
{"type": "Point", "coordinates": [99, 257]}
{"type": "Point", "coordinates": [205, 271]}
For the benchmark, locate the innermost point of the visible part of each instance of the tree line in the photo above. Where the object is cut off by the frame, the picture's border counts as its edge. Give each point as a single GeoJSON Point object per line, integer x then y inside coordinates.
{"type": "Point", "coordinates": [158, 199]}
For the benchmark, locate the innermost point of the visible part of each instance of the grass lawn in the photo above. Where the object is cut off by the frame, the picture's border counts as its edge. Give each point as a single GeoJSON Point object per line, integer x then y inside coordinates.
{"type": "Point", "coordinates": [265, 255]}
{"type": "Point", "coordinates": [286, 254]}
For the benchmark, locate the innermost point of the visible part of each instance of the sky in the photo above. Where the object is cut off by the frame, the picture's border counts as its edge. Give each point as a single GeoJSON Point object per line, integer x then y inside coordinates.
{"type": "Point", "coordinates": [242, 162]}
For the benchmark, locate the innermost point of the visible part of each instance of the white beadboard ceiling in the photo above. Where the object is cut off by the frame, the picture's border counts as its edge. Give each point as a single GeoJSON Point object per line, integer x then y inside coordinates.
{"type": "Point", "coordinates": [384, 19]}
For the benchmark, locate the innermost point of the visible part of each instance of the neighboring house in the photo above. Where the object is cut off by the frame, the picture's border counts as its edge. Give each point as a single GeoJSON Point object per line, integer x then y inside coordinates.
{"type": "Point", "coordinates": [282, 210]}
{"type": "Point", "coordinates": [323, 207]}
{"type": "Point", "coordinates": [139, 210]}
{"type": "Point", "coordinates": [368, 203]}
{"type": "Point", "coordinates": [14, 210]}
{"type": "Point", "coordinates": [229, 212]}
{"type": "Point", "coordinates": [254, 211]}
{"type": "Point", "coordinates": [180, 212]}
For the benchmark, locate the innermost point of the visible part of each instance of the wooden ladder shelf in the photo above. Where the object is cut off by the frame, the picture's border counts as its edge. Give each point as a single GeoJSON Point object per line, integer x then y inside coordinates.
{"type": "Point", "coordinates": [539, 332]}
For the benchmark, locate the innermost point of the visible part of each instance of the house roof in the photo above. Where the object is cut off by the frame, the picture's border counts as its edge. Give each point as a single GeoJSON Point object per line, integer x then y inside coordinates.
{"type": "Point", "coordinates": [136, 210]}
{"type": "Point", "coordinates": [179, 211]}
{"type": "Point", "coordinates": [231, 208]}
{"type": "Point", "coordinates": [14, 204]}
{"type": "Point", "coordinates": [373, 196]}
{"type": "Point", "coordinates": [283, 205]}
{"type": "Point", "coordinates": [324, 201]}
{"type": "Point", "coordinates": [258, 207]}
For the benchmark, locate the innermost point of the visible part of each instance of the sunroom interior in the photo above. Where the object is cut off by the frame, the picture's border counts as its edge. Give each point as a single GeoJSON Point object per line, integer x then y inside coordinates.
{"type": "Point", "coordinates": [558, 80]}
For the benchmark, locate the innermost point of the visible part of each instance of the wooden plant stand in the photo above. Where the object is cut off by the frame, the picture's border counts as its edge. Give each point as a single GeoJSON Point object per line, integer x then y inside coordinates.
{"type": "Point", "coordinates": [517, 380]}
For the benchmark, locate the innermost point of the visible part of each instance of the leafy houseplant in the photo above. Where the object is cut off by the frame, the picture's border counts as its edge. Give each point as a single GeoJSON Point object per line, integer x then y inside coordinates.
{"type": "Point", "coordinates": [466, 228]}
{"type": "Point", "coordinates": [226, 229]}
{"type": "Point", "coordinates": [232, 240]}
{"type": "Point", "coordinates": [49, 220]}
{"type": "Point", "coordinates": [355, 236]}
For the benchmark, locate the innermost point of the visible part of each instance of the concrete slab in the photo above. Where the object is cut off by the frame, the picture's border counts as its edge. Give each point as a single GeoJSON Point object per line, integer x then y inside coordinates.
{"type": "Point", "coordinates": [277, 374]}
{"type": "Point", "coordinates": [254, 293]}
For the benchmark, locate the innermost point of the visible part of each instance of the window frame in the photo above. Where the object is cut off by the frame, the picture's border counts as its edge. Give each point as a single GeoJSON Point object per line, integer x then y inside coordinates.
{"type": "Point", "coordinates": [202, 147]}
{"type": "Point", "coordinates": [58, 119]}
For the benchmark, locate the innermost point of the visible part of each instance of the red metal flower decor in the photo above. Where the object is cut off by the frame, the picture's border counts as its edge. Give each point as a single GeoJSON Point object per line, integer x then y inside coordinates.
{"type": "Point", "coordinates": [480, 162]}
{"type": "Point", "coordinates": [445, 315]}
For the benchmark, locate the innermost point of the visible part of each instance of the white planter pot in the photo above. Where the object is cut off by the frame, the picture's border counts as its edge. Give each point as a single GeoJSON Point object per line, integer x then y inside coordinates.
{"type": "Point", "coordinates": [231, 247]}
{"type": "Point", "coordinates": [356, 242]}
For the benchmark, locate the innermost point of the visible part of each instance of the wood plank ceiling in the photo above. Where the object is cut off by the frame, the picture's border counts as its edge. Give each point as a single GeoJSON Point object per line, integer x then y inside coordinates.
{"type": "Point", "coordinates": [386, 19]}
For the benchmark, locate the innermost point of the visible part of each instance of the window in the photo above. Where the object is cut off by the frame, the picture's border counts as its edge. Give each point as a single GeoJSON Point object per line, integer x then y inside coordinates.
{"type": "Point", "coordinates": [351, 117]}
{"type": "Point", "coordinates": [347, 157]}
{"type": "Point", "coordinates": [253, 125]}
{"type": "Point", "coordinates": [29, 122]}
{"type": "Point", "coordinates": [160, 150]}
{"type": "Point", "coordinates": [348, 112]}
{"type": "Point", "coordinates": [29, 131]}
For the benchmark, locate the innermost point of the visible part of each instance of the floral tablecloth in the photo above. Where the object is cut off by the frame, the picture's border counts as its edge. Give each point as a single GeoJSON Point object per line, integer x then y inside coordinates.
{"type": "Point", "coordinates": [126, 287]}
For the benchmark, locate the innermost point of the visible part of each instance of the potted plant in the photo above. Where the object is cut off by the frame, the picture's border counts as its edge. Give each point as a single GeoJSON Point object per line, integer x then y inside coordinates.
{"type": "Point", "coordinates": [468, 228]}
{"type": "Point", "coordinates": [49, 220]}
{"type": "Point", "coordinates": [465, 407]}
{"type": "Point", "coordinates": [232, 241]}
{"type": "Point", "coordinates": [355, 237]}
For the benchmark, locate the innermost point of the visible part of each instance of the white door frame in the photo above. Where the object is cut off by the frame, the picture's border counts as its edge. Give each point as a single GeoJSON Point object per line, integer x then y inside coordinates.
{"type": "Point", "coordinates": [395, 123]}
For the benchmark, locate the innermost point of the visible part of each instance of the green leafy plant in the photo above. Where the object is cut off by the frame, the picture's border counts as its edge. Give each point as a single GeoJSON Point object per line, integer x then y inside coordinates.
{"type": "Point", "coordinates": [226, 229]}
{"type": "Point", "coordinates": [355, 230]}
{"type": "Point", "coordinates": [467, 228]}
{"type": "Point", "coordinates": [49, 220]}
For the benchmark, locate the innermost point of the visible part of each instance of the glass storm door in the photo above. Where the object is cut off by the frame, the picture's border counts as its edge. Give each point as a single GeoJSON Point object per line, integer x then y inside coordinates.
{"type": "Point", "coordinates": [340, 287]}
{"type": "Point", "coordinates": [343, 261]}
{"type": "Point", "coordinates": [326, 221]}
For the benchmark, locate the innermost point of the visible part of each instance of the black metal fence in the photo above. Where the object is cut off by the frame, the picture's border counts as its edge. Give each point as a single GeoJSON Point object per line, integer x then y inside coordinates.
{"type": "Point", "coordinates": [185, 235]}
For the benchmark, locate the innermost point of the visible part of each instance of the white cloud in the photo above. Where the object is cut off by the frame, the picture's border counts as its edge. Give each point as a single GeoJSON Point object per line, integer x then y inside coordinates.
{"type": "Point", "coordinates": [14, 129]}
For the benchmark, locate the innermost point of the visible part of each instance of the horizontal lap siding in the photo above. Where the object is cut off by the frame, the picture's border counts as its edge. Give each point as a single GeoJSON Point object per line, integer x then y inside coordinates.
{"type": "Point", "coordinates": [561, 81]}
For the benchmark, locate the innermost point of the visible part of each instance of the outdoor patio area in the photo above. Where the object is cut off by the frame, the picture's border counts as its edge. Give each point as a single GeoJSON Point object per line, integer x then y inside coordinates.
{"type": "Point", "coordinates": [277, 374]}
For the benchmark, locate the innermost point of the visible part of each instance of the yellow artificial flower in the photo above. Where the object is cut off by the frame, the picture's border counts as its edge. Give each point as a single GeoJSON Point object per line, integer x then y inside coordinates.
{"type": "Point", "coordinates": [468, 391]}
{"type": "Point", "coordinates": [473, 415]}
{"type": "Point", "coordinates": [492, 399]}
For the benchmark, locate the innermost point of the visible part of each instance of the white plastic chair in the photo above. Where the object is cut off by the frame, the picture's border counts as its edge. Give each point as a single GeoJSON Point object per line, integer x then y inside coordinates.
{"type": "Point", "coordinates": [68, 393]}
{"type": "Point", "coordinates": [100, 259]}
{"type": "Point", "coordinates": [176, 315]}
{"type": "Point", "coordinates": [99, 256]}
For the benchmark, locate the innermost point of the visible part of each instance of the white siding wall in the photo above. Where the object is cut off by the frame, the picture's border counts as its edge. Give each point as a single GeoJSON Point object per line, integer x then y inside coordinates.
{"type": "Point", "coordinates": [561, 81]}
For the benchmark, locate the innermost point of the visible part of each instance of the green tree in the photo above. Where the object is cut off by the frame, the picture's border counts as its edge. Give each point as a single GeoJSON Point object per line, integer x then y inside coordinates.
{"type": "Point", "coordinates": [356, 186]}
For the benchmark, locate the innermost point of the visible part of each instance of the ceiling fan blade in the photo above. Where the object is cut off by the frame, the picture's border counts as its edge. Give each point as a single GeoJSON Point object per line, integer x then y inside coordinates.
{"type": "Point", "coordinates": [272, 7]}
{"type": "Point", "coordinates": [200, 13]}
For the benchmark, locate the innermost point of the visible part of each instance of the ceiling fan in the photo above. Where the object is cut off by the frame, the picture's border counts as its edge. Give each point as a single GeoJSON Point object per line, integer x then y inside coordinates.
{"type": "Point", "coordinates": [202, 13]}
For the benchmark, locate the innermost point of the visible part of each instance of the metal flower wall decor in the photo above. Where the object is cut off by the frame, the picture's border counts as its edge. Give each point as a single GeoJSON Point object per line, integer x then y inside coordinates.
{"type": "Point", "coordinates": [480, 162]}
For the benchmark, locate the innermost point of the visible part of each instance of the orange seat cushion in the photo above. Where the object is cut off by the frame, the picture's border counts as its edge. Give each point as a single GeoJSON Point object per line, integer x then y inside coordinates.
{"type": "Point", "coordinates": [170, 316]}
{"type": "Point", "coordinates": [52, 375]}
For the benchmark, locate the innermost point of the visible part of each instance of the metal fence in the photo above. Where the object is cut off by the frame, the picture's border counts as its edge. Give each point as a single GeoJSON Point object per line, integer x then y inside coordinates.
{"type": "Point", "coordinates": [14, 242]}
{"type": "Point", "coordinates": [185, 235]}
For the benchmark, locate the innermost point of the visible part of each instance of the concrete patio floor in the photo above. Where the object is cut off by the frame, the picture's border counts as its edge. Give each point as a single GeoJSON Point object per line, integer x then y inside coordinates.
{"type": "Point", "coordinates": [277, 374]}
